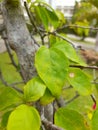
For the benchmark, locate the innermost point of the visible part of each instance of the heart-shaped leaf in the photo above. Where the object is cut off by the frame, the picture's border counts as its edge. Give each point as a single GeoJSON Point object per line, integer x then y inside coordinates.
{"type": "Point", "coordinates": [70, 120]}
{"type": "Point", "coordinates": [24, 118]}
{"type": "Point", "coordinates": [69, 51]}
{"type": "Point", "coordinates": [9, 97]}
{"type": "Point", "coordinates": [52, 67]}
{"type": "Point", "coordinates": [34, 89]}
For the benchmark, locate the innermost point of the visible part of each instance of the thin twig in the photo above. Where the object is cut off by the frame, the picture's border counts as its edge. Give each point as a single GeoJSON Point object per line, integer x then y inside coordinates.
{"type": "Point", "coordinates": [30, 17]}
{"type": "Point", "coordinates": [84, 27]}
{"type": "Point", "coordinates": [84, 67]}
{"type": "Point", "coordinates": [93, 98]}
{"type": "Point", "coordinates": [32, 21]}
{"type": "Point", "coordinates": [93, 82]}
{"type": "Point", "coordinates": [69, 87]}
{"type": "Point", "coordinates": [16, 83]}
{"type": "Point", "coordinates": [76, 26]}
{"type": "Point", "coordinates": [11, 55]}
{"type": "Point", "coordinates": [62, 37]}
{"type": "Point", "coordinates": [9, 85]}
{"type": "Point", "coordinates": [58, 35]}
{"type": "Point", "coordinates": [72, 99]}
{"type": "Point", "coordinates": [9, 50]}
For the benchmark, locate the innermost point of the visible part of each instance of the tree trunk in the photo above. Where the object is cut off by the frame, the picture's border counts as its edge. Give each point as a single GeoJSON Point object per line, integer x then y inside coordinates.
{"type": "Point", "coordinates": [19, 37]}
{"type": "Point", "coordinates": [21, 42]}
{"type": "Point", "coordinates": [96, 44]}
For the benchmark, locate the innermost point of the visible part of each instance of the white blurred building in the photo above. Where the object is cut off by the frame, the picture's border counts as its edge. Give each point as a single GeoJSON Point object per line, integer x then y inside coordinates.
{"type": "Point", "coordinates": [65, 6]}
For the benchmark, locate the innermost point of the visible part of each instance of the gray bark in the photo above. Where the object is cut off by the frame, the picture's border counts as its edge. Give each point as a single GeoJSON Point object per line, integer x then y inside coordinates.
{"type": "Point", "coordinates": [21, 42]}
{"type": "Point", "coordinates": [96, 44]}
{"type": "Point", "coordinates": [19, 37]}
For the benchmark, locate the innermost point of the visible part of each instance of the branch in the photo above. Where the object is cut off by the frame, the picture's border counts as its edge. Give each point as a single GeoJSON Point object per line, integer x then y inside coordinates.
{"type": "Point", "coordinates": [16, 83]}
{"type": "Point", "coordinates": [30, 17]}
{"type": "Point", "coordinates": [69, 87]}
{"type": "Point", "coordinates": [84, 67]}
{"type": "Point", "coordinates": [94, 100]}
{"type": "Point", "coordinates": [66, 39]}
{"type": "Point", "coordinates": [76, 26]}
{"type": "Point", "coordinates": [72, 99]}
{"type": "Point", "coordinates": [94, 82]}
{"type": "Point", "coordinates": [58, 35]}
{"type": "Point", "coordinates": [7, 85]}
{"type": "Point", "coordinates": [9, 50]}
{"type": "Point", "coordinates": [10, 53]}
{"type": "Point", "coordinates": [84, 27]}
{"type": "Point", "coordinates": [60, 102]}
{"type": "Point", "coordinates": [32, 21]}
{"type": "Point", "coordinates": [49, 125]}
{"type": "Point", "coordinates": [2, 27]}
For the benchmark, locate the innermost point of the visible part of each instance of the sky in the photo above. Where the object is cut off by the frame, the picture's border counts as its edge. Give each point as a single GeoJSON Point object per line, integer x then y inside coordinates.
{"type": "Point", "coordinates": [63, 2]}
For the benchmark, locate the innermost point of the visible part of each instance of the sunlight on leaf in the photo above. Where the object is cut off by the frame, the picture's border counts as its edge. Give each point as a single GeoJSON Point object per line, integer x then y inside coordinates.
{"type": "Point", "coordinates": [80, 81]}
{"type": "Point", "coordinates": [70, 120]}
{"type": "Point", "coordinates": [95, 120]}
{"type": "Point", "coordinates": [52, 67]}
{"type": "Point", "coordinates": [9, 97]}
{"type": "Point", "coordinates": [34, 89]}
{"type": "Point", "coordinates": [24, 118]}
{"type": "Point", "coordinates": [68, 51]}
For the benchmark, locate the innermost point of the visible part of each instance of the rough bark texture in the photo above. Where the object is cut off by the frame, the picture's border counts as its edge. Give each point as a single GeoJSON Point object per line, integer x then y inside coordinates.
{"type": "Point", "coordinates": [21, 42]}
{"type": "Point", "coordinates": [18, 36]}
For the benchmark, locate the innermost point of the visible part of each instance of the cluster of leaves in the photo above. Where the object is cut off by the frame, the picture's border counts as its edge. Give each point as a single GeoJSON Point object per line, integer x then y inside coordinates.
{"type": "Point", "coordinates": [81, 31]}
{"type": "Point", "coordinates": [85, 14]}
{"type": "Point", "coordinates": [54, 71]}
{"type": "Point", "coordinates": [44, 13]}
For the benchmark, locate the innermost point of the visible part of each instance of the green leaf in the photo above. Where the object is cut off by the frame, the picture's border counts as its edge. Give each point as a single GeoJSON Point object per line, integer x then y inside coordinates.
{"type": "Point", "coordinates": [95, 120]}
{"type": "Point", "coordinates": [80, 81]}
{"type": "Point", "coordinates": [9, 97]}
{"type": "Point", "coordinates": [43, 16]}
{"type": "Point", "coordinates": [70, 120]}
{"type": "Point", "coordinates": [24, 118]}
{"type": "Point", "coordinates": [69, 51]}
{"type": "Point", "coordinates": [47, 14]}
{"type": "Point", "coordinates": [52, 39]}
{"type": "Point", "coordinates": [28, 1]}
{"type": "Point", "coordinates": [34, 89]}
{"type": "Point", "coordinates": [5, 119]}
{"type": "Point", "coordinates": [47, 97]}
{"type": "Point", "coordinates": [52, 17]}
{"type": "Point", "coordinates": [62, 19]}
{"type": "Point", "coordinates": [52, 67]}
{"type": "Point", "coordinates": [82, 31]}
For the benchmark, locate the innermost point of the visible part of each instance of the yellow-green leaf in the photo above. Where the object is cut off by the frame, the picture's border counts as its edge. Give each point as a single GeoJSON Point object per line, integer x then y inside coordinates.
{"type": "Point", "coordinates": [9, 97]}
{"type": "Point", "coordinates": [95, 120]}
{"type": "Point", "coordinates": [68, 51]}
{"type": "Point", "coordinates": [34, 89]}
{"type": "Point", "coordinates": [70, 120]}
{"type": "Point", "coordinates": [80, 81]}
{"type": "Point", "coordinates": [24, 118]}
{"type": "Point", "coordinates": [47, 98]}
{"type": "Point", "coordinates": [52, 67]}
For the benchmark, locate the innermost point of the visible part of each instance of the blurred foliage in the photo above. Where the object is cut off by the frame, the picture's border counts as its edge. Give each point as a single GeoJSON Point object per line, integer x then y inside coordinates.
{"type": "Point", "coordinates": [86, 10]}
